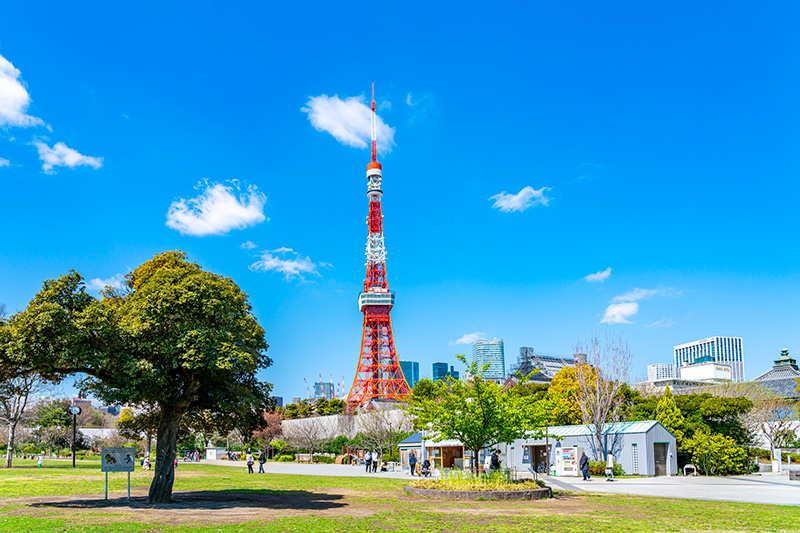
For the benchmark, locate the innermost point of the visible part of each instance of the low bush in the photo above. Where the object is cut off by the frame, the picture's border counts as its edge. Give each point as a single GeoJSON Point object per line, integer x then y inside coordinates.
{"type": "Point", "coordinates": [598, 468]}
{"type": "Point", "coordinates": [476, 484]}
{"type": "Point", "coordinates": [285, 458]}
{"type": "Point", "coordinates": [324, 459]}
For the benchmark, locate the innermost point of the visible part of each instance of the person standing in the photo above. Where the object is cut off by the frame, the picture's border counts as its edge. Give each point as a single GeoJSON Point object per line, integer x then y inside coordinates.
{"type": "Point", "coordinates": [368, 460]}
{"type": "Point", "coordinates": [584, 466]}
{"type": "Point", "coordinates": [412, 461]}
{"type": "Point", "coordinates": [610, 467]}
{"type": "Point", "coordinates": [375, 459]}
{"type": "Point", "coordinates": [250, 461]}
{"type": "Point", "coordinates": [495, 464]}
{"type": "Point", "coordinates": [262, 458]}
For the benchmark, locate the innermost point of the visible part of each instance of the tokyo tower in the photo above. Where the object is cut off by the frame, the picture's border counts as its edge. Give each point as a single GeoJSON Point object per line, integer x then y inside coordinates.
{"type": "Point", "coordinates": [378, 376]}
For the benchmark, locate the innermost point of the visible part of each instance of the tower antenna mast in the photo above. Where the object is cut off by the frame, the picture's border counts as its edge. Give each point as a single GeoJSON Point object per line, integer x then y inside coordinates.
{"type": "Point", "coordinates": [373, 131]}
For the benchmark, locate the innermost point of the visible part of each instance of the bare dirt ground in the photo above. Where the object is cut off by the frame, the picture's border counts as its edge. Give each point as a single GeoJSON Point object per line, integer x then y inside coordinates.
{"type": "Point", "coordinates": [230, 507]}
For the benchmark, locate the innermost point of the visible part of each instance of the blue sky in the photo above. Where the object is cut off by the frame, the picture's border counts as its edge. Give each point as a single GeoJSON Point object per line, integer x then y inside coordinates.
{"type": "Point", "coordinates": [524, 146]}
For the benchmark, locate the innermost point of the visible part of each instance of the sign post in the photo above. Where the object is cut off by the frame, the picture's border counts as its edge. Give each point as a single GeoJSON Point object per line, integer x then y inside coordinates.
{"type": "Point", "coordinates": [118, 460]}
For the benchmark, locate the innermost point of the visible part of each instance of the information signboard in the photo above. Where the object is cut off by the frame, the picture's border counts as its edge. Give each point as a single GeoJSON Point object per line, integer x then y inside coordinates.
{"type": "Point", "coordinates": [117, 459]}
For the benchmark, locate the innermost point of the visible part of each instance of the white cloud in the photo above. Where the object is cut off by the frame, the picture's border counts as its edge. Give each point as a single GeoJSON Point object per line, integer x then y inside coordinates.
{"type": "Point", "coordinates": [527, 197]}
{"type": "Point", "coordinates": [625, 305]}
{"type": "Point", "coordinates": [469, 338]}
{"type": "Point", "coordinates": [598, 276]}
{"type": "Point", "coordinates": [287, 262]}
{"type": "Point", "coordinates": [4, 162]}
{"type": "Point", "coordinates": [219, 209]}
{"type": "Point", "coordinates": [248, 245]}
{"type": "Point", "coordinates": [61, 155]}
{"type": "Point", "coordinates": [98, 284]}
{"type": "Point", "coordinates": [14, 98]}
{"type": "Point", "coordinates": [619, 313]}
{"type": "Point", "coordinates": [663, 323]}
{"type": "Point", "coordinates": [643, 294]}
{"type": "Point", "coordinates": [348, 121]}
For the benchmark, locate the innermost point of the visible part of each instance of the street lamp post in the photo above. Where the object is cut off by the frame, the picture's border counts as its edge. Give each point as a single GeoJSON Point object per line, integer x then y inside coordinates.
{"type": "Point", "coordinates": [74, 410]}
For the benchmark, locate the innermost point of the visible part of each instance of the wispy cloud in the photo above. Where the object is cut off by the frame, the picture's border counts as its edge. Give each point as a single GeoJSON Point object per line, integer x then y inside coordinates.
{"type": "Point", "coordinates": [288, 262]}
{"type": "Point", "coordinates": [61, 155]}
{"type": "Point", "coordinates": [98, 284]}
{"type": "Point", "coordinates": [626, 305]}
{"type": "Point", "coordinates": [248, 245]}
{"type": "Point", "coordinates": [348, 121]}
{"type": "Point", "coordinates": [14, 98]}
{"type": "Point", "coordinates": [598, 276]}
{"type": "Point", "coordinates": [219, 209]}
{"type": "Point", "coordinates": [663, 323]}
{"type": "Point", "coordinates": [527, 197]}
{"type": "Point", "coordinates": [469, 338]}
{"type": "Point", "coordinates": [4, 162]}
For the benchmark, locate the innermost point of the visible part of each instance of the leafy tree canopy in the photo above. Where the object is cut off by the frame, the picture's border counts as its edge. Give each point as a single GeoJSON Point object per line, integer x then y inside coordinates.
{"type": "Point", "coordinates": [176, 338]}
{"type": "Point", "coordinates": [476, 412]}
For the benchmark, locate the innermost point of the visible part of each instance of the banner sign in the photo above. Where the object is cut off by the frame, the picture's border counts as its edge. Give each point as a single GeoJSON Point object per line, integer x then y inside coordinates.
{"type": "Point", "coordinates": [117, 459]}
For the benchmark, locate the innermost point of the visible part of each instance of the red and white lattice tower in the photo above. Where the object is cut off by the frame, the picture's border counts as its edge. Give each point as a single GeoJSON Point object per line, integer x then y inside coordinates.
{"type": "Point", "coordinates": [378, 376]}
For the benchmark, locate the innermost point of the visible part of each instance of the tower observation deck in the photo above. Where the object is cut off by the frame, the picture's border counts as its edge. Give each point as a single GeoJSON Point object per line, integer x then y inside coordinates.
{"type": "Point", "coordinates": [378, 376]}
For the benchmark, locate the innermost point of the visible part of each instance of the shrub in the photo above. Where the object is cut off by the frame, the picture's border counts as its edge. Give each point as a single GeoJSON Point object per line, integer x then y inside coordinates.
{"type": "Point", "coordinates": [285, 459]}
{"type": "Point", "coordinates": [715, 454]}
{"type": "Point", "coordinates": [598, 468]}
{"type": "Point", "coordinates": [324, 459]}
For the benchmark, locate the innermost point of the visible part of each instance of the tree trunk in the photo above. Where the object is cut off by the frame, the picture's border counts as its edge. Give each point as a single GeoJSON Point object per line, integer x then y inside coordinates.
{"type": "Point", "coordinates": [475, 466]}
{"type": "Point", "coordinates": [147, 439]}
{"type": "Point", "coordinates": [166, 441]}
{"type": "Point", "coordinates": [12, 429]}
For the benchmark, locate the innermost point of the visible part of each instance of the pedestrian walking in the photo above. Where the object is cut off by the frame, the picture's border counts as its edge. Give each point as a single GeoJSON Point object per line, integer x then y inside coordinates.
{"type": "Point", "coordinates": [250, 461]}
{"type": "Point", "coordinates": [262, 458]}
{"type": "Point", "coordinates": [368, 460]}
{"type": "Point", "coordinates": [610, 467]}
{"type": "Point", "coordinates": [375, 460]}
{"type": "Point", "coordinates": [584, 466]}
{"type": "Point", "coordinates": [412, 462]}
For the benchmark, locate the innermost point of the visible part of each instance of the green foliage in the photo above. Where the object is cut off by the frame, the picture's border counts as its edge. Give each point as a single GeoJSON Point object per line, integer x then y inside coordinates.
{"type": "Point", "coordinates": [285, 458]}
{"type": "Point", "coordinates": [670, 416]}
{"type": "Point", "coordinates": [177, 338]}
{"type": "Point", "coordinates": [477, 413]}
{"type": "Point", "coordinates": [324, 459]}
{"type": "Point", "coordinates": [425, 389]}
{"type": "Point", "coordinates": [598, 468]}
{"type": "Point", "coordinates": [715, 454]}
{"type": "Point", "coordinates": [53, 414]}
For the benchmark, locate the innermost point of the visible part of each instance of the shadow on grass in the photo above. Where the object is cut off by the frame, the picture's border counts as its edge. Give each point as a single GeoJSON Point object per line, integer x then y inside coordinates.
{"type": "Point", "coordinates": [213, 499]}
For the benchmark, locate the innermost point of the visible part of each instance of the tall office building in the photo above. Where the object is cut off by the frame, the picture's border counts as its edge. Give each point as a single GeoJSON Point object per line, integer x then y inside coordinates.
{"type": "Point", "coordinates": [411, 372]}
{"type": "Point", "coordinates": [490, 352]}
{"type": "Point", "coordinates": [660, 371]}
{"type": "Point", "coordinates": [440, 371]}
{"type": "Point", "coordinates": [727, 350]}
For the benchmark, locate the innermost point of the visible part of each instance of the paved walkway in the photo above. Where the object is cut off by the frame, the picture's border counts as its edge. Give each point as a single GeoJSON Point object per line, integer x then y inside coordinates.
{"type": "Point", "coordinates": [306, 469]}
{"type": "Point", "coordinates": [765, 488]}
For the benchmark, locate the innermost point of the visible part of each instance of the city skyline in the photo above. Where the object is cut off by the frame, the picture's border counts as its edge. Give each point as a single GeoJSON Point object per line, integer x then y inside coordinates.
{"type": "Point", "coordinates": [650, 194]}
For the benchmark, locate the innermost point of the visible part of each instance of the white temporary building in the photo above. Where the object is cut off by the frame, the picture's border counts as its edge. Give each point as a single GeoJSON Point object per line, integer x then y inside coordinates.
{"type": "Point", "coordinates": [644, 448]}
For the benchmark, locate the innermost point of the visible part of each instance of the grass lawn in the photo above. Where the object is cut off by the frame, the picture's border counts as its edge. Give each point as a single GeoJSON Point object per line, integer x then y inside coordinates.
{"type": "Point", "coordinates": [218, 498]}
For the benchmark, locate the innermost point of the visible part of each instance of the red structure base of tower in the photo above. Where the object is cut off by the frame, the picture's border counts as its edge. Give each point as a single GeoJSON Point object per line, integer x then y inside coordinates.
{"type": "Point", "coordinates": [379, 376]}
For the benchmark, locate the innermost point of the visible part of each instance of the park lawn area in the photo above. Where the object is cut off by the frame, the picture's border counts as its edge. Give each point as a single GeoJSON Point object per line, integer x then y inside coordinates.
{"type": "Point", "coordinates": [226, 499]}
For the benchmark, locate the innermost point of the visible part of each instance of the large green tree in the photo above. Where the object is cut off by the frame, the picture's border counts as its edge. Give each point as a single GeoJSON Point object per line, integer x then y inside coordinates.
{"type": "Point", "coordinates": [670, 416]}
{"type": "Point", "coordinates": [177, 338]}
{"type": "Point", "coordinates": [474, 411]}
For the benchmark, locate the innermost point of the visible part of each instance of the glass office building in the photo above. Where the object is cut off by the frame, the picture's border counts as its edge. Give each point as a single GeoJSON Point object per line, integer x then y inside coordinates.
{"type": "Point", "coordinates": [727, 350]}
{"type": "Point", "coordinates": [491, 352]}
{"type": "Point", "coordinates": [410, 372]}
{"type": "Point", "coordinates": [440, 371]}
